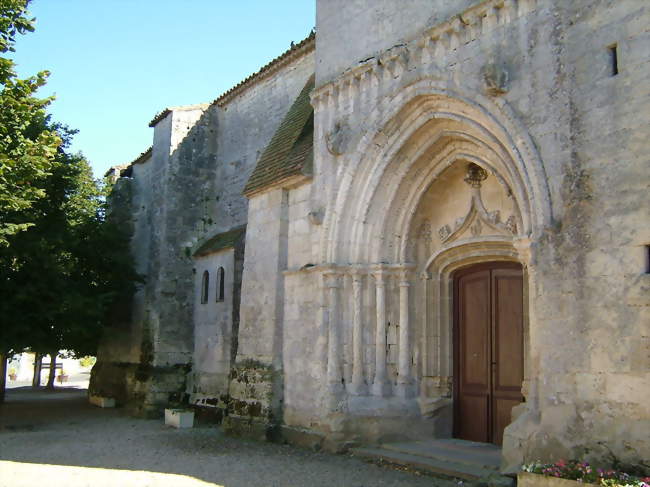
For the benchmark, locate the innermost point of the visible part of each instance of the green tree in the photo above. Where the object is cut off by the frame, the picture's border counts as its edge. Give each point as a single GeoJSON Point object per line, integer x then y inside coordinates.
{"type": "Point", "coordinates": [27, 147]}
{"type": "Point", "coordinates": [65, 272]}
{"type": "Point", "coordinates": [62, 265]}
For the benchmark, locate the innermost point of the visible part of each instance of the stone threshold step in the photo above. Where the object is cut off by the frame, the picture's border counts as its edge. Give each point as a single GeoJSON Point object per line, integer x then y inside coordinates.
{"type": "Point", "coordinates": [441, 467]}
{"type": "Point", "coordinates": [434, 450]}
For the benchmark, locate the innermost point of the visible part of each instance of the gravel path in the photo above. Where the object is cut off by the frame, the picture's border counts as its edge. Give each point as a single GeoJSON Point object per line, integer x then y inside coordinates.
{"type": "Point", "coordinates": [57, 439]}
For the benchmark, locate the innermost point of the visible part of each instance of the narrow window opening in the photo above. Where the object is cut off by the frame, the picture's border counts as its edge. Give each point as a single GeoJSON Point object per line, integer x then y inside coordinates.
{"type": "Point", "coordinates": [205, 287]}
{"type": "Point", "coordinates": [220, 283]}
{"type": "Point", "coordinates": [647, 259]}
{"type": "Point", "coordinates": [613, 59]}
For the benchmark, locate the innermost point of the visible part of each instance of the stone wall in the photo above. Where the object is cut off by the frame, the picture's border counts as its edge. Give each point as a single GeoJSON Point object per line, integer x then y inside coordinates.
{"type": "Point", "coordinates": [346, 318]}
{"type": "Point", "coordinates": [594, 360]}
{"type": "Point", "coordinates": [350, 31]}
{"type": "Point", "coordinates": [127, 344]}
{"type": "Point", "coordinates": [260, 332]}
{"type": "Point", "coordinates": [202, 157]}
{"type": "Point", "coordinates": [215, 329]}
{"type": "Point", "coordinates": [538, 77]}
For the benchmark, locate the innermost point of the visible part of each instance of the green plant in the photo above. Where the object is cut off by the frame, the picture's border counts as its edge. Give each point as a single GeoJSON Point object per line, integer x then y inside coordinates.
{"type": "Point", "coordinates": [87, 361]}
{"type": "Point", "coordinates": [585, 473]}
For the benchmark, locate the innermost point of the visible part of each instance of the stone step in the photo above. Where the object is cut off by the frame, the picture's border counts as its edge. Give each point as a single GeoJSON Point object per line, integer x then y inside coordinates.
{"type": "Point", "coordinates": [486, 457]}
{"type": "Point", "coordinates": [442, 467]}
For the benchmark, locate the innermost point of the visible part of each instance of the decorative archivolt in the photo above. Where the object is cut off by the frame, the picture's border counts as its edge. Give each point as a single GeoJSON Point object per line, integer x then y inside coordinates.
{"type": "Point", "coordinates": [370, 213]}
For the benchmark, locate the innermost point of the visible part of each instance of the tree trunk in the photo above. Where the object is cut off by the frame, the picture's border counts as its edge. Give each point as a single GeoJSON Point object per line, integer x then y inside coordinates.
{"type": "Point", "coordinates": [50, 379]}
{"type": "Point", "coordinates": [3, 376]}
{"type": "Point", "coordinates": [38, 366]}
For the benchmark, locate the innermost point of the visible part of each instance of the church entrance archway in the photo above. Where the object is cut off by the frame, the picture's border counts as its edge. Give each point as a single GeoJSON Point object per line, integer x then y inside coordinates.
{"type": "Point", "coordinates": [488, 349]}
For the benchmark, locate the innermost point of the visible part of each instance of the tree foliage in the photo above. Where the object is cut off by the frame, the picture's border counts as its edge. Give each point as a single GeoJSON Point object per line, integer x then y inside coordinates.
{"type": "Point", "coordinates": [64, 273]}
{"type": "Point", "coordinates": [27, 147]}
{"type": "Point", "coordinates": [63, 266]}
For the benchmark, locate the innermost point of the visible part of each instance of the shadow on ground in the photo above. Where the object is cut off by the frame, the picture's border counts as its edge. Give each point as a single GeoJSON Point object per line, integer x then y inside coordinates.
{"type": "Point", "coordinates": [57, 438]}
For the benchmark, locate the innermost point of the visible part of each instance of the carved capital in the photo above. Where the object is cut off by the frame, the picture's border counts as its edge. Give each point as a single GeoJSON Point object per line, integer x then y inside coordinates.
{"type": "Point", "coordinates": [357, 275]}
{"type": "Point", "coordinates": [523, 247]}
{"type": "Point", "coordinates": [380, 277]}
{"type": "Point", "coordinates": [332, 278]}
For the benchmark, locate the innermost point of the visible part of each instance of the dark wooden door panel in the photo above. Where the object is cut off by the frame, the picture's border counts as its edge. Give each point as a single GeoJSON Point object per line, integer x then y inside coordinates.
{"type": "Point", "coordinates": [475, 334]}
{"type": "Point", "coordinates": [501, 413]}
{"type": "Point", "coordinates": [474, 348]}
{"type": "Point", "coordinates": [507, 341]}
{"type": "Point", "coordinates": [488, 350]}
{"type": "Point", "coordinates": [474, 421]}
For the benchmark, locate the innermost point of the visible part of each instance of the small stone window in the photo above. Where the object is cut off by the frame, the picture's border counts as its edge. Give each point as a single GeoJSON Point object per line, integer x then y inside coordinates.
{"type": "Point", "coordinates": [205, 287]}
{"type": "Point", "coordinates": [613, 59]}
{"type": "Point", "coordinates": [220, 283]}
{"type": "Point", "coordinates": [647, 258]}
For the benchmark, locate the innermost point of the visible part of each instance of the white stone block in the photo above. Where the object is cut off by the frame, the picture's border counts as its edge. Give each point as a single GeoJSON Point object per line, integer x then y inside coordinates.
{"type": "Point", "coordinates": [179, 418]}
{"type": "Point", "coordinates": [102, 402]}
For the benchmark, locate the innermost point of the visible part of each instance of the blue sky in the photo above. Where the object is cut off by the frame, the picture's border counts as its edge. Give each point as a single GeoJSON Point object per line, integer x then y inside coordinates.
{"type": "Point", "coordinates": [116, 63]}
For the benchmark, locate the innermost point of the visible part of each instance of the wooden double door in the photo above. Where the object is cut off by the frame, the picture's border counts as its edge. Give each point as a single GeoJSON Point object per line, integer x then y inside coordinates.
{"type": "Point", "coordinates": [488, 349]}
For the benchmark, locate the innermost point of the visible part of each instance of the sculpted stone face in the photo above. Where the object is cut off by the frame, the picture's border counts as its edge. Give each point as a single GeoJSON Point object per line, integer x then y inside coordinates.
{"type": "Point", "coordinates": [338, 139]}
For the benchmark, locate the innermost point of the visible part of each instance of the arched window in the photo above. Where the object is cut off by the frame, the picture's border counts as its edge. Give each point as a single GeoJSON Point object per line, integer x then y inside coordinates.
{"type": "Point", "coordinates": [220, 283]}
{"type": "Point", "coordinates": [205, 287]}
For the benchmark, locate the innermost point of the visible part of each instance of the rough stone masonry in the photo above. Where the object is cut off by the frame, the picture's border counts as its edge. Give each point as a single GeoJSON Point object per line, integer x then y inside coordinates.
{"type": "Point", "coordinates": [429, 219]}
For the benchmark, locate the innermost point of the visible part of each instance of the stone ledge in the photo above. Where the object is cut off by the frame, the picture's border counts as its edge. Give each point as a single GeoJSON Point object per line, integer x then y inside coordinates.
{"type": "Point", "coordinates": [102, 402]}
{"type": "Point", "coordinates": [527, 479]}
{"type": "Point", "coordinates": [303, 438]}
{"type": "Point", "coordinates": [244, 427]}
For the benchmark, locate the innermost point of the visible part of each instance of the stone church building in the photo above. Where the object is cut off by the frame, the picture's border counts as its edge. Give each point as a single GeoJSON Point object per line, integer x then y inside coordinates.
{"type": "Point", "coordinates": [429, 219]}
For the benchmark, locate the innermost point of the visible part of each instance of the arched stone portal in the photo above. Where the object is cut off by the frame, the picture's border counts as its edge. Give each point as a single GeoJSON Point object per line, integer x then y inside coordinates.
{"type": "Point", "coordinates": [439, 182]}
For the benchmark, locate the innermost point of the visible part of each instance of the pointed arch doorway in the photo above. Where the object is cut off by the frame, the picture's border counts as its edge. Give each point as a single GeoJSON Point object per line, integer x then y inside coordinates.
{"type": "Point", "coordinates": [488, 349]}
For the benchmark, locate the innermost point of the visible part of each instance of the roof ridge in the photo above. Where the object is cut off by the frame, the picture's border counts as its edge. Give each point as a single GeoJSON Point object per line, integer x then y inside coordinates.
{"type": "Point", "coordinates": [219, 241]}
{"type": "Point", "coordinates": [143, 155]}
{"type": "Point", "coordinates": [160, 115]}
{"type": "Point", "coordinates": [303, 47]}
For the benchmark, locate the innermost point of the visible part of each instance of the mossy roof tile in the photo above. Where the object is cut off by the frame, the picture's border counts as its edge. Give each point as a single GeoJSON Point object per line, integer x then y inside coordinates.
{"type": "Point", "coordinates": [291, 150]}
{"type": "Point", "coordinates": [220, 241]}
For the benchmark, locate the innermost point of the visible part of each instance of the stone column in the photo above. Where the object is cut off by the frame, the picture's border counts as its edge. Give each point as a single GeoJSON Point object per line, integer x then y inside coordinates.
{"type": "Point", "coordinates": [529, 385]}
{"type": "Point", "coordinates": [429, 347]}
{"type": "Point", "coordinates": [425, 337]}
{"type": "Point", "coordinates": [380, 386]}
{"type": "Point", "coordinates": [334, 369]}
{"type": "Point", "coordinates": [358, 385]}
{"type": "Point", "coordinates": [404, 377]}
{"type": "Point", "coordinates": [323, 332]}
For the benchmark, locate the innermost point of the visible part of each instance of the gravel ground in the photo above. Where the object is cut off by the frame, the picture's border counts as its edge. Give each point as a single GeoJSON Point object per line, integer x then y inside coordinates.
{"type": "Point", "coordinates": [57, 439]}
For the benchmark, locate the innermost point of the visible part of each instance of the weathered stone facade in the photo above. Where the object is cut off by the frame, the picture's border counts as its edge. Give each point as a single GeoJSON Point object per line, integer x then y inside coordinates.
{"type": "Point", "coordinates": [515, 131]}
